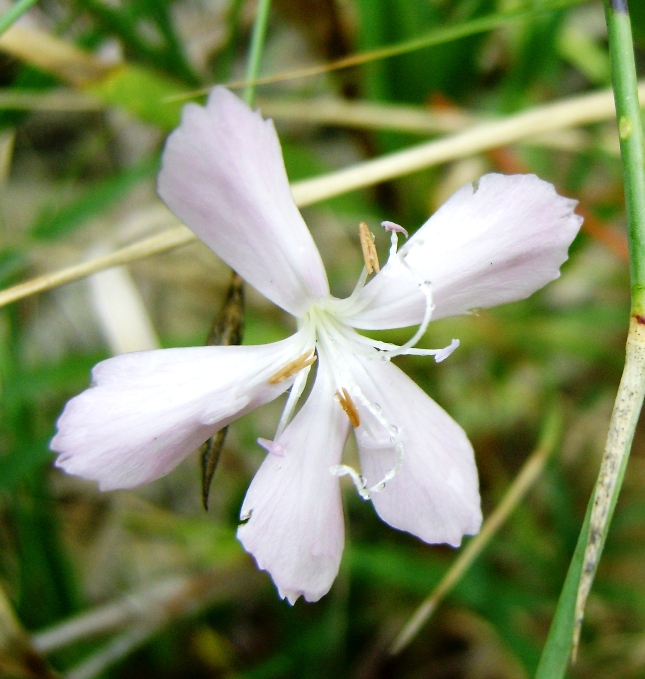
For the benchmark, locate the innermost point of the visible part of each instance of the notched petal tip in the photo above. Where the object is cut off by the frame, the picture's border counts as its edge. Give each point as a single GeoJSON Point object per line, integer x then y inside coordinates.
{"type": "Point", "coordinates": [295, 530]}
{"type": "Point", "coordinates": [489, 244]}
{"type": "Point", "coordinates": [223, 175]}
{"type": "Point", "coordinates": [150, 410]}
{"type": "Point", "coordinates": [434, 492]}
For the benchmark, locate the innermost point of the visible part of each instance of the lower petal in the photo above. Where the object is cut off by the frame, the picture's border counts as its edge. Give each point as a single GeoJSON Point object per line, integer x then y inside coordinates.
{"type": "Point", "coordinates": [434, 493]}
{"type": "Point", "coordinates": [295, 528]}
{"type": "Point", "coordinates": [149, 410]}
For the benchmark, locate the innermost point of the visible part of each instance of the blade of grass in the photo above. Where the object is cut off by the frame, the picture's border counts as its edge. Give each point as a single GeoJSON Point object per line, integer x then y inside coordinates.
{"type": "Point", "coordinates": [435, 37]}
{"type": "Point", "coordinates": [557, 649]}
{"type": "Point", "coordinates": [631, 391]}
{"type": "Point", "coordinates": [527, 476]}
{"type": "Point", "coordinates": [14, 13]}
{"type": "Point", "coordinates": [167, 58]}
{"type": "Point", "coordinates": [564, 636]}
{"type": "Point", "coordinates": [255, 52]}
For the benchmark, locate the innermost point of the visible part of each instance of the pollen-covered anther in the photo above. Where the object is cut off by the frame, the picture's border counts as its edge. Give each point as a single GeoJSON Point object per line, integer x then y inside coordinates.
{"type": "Point", "coordinates": [293, 367]}
{"type": "Point", "coordinates": [369, 249]}
{"type": "Point", "coordinates": [349, 407]}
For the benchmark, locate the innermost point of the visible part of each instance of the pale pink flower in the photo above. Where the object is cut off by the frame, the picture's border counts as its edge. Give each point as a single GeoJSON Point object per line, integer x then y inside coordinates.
{"type": "Point", "coordinates": [494, 241]}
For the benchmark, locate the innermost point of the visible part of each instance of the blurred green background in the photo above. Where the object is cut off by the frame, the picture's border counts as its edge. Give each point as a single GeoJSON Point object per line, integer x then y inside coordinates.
{"type": "Point", "coordinates": [77, 180]}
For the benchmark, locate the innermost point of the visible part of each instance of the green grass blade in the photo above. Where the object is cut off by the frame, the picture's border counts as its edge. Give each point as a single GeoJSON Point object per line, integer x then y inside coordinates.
{"type": "Point", "coordinates": [564, 635]}
{"type": "Point", "coordinates": [557, 650]}
{"type": "Point", "coordinates": [12, 15]}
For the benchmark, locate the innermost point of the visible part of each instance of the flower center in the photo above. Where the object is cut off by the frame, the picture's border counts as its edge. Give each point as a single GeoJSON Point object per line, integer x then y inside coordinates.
{"type": "Point", "coordinates": [326, 332]}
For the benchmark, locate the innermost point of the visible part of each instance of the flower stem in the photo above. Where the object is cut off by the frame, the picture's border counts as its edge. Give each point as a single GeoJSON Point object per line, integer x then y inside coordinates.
{"type": "Point", "coordinates": [565, 633]}
{"type": "Point", "coordinates": [629, 399]}
{"type": "Point", "coordinates": [630, 130]}
{"type": "Point", "coordinates": [255, 52]}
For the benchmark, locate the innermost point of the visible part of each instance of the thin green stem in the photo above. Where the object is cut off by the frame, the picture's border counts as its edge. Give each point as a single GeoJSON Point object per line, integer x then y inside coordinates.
{"type": "Point", "coordinates": [13, 14]}
{"type": "Point", "coordinates": [630, 131]}
{"type": "Point", "coordinates": [440, 36]}
{"type": "Point", "coordinates": [565, 630]}
{"type": "Point", "coordinates": [255, 52]}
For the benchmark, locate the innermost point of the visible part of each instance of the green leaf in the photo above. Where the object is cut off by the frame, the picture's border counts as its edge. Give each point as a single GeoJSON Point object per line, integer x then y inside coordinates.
{"type": "Point", "coordinates": [142, 92]}
{"type": "Point", "coordinates": [557, 650]}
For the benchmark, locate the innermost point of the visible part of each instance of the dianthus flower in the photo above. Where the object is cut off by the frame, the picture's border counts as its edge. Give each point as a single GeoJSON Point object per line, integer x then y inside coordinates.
{"type": "Point", "coordinates": [494, 241]}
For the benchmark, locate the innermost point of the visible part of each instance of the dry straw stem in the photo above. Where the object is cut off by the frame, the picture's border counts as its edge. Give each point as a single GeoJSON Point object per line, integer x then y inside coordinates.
{"type": "Point", "coordinates": [52, 55]}
{"type": "Point", "coordinates": [517, 490]}
{"type": "Point", "coordinates": [570, 112]}
{"type": "Point", "coordinates": [362, 115]}
{"type": "Point", "coordinates": [365, 115]}
{"type": "Point", "coordinates": [154, 245]}
{"type": "Point", "coordinates": [567, 113]}
{"type": "Point", "coordinates": [116, 649]}
{"type": "Point", "coordinates": [149, 603]}
{"type": "Point", "coordinates": [140, 615]}
{"type": "Point", "coordinates": [622, 425]}
{"type": "Point", "coordinates": [159, 603]}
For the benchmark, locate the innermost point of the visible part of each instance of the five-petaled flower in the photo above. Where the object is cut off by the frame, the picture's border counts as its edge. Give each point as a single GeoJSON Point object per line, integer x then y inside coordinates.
{"type": "Point", "coordinates": [494, 241]}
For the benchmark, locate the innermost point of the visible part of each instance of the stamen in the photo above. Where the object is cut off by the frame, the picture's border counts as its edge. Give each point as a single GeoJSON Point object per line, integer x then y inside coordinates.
{"type": "Point", "coordinates": [397, 228]}
{"type": "Point", "coordinates": [395, 440]}
{"type": "Point", "coordinates": [369, 249]}
{"type": "Point", "coordinates": [359, 481]}
{"type": "Point", "coordinates": [439, 354]}
{"type": "Point", "coordinates": [345, 470]}
{"type": "Point", "coordinates": [294, 396]}
{"type": "Point", "coordinates": [293, 367]}
{"type": "Point", "coordinates": [426, 289]}
{"type": "Point", "coordinates": [348, 406]}
{"type": "Point", "coordinates": [271, 447]}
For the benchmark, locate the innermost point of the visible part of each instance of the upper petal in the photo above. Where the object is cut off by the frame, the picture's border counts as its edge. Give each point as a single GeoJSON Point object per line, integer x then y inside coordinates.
{"type": "Point", "coordinates": [435, 492]}
{"type": "Point", "coordinates": [296, 529]}
{"type": "Point", "coordinates": [494, 241]}
{"type": "Point", "coordinates": [148, 410]}
{"type": "Point", "coordinates": [223, 175]}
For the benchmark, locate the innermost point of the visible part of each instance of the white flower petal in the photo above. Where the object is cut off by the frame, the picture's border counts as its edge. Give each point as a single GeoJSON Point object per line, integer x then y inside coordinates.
{"type": "Point", "coordinates": [496, 243]}
{"type": "Point", "coordinates": [223, 175]}
{"type": "Point", "coordinates": [296, 529]}
{"type": "Point", "coordinates": [434, 494]}
{"type": "Point", "coordinates": [148, 410]}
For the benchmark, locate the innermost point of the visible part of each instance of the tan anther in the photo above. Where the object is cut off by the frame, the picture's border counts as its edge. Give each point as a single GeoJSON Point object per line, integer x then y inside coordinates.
{"type": "Point", "coordinates": [293, 367]}
{"type": "Point", "coordinates": [348, 406]}
{"type": "Point", "coordinates": [369, 249]}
